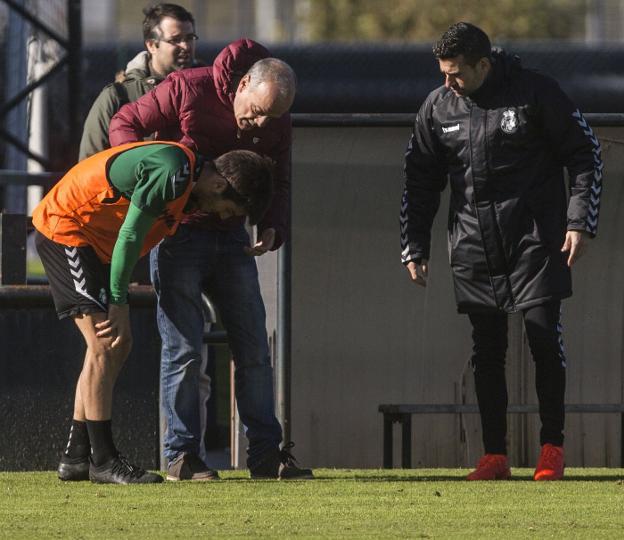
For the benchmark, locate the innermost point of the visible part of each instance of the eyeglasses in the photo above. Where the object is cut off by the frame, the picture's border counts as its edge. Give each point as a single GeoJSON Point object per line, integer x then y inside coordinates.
{"type": "Point", "coordinates": [177, 41]}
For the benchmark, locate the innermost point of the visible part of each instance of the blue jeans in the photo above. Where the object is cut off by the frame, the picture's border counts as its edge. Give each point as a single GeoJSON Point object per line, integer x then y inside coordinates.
{"type": "Point", "coordinates": [183, 266]}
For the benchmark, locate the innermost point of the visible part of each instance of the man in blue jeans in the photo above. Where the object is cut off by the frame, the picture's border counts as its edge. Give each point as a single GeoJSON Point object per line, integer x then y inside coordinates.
{"type": "Point", "coordinates": [240, 102]}
{"type": "Point", "coordinates": [199, 260]}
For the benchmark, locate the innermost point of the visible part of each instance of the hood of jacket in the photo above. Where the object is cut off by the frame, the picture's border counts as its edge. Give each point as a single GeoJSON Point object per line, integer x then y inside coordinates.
{"type": "Point", "coordinates": [231, 64]}
{"type": "Point", "coordinates": [504, 67]}
{"type": "Point", "coordinates": [138, 67]}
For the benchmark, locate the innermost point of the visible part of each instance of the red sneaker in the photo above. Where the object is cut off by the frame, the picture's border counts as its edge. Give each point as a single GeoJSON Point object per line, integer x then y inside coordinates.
{"type": "Point", "coordinates": [491, 467]}
{"type": "Point", "coordinates": [550, 465]}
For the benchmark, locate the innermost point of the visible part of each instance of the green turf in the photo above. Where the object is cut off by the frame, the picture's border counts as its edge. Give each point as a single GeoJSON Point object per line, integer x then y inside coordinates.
{"type": "Point", "coordinates": [340, 503]}
{"type": "Point", "coordinates": [34, 268]}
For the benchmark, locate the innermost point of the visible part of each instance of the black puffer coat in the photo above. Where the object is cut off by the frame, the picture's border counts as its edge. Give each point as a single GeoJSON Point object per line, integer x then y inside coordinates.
{"type": "Point", "coordinates": [504, 149]}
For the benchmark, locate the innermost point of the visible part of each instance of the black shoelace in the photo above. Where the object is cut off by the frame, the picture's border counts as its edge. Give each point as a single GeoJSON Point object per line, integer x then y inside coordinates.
{"type": "Point", "coordinates": [124, 468]}
{"type": "Point", "coordinates": [286, 457]}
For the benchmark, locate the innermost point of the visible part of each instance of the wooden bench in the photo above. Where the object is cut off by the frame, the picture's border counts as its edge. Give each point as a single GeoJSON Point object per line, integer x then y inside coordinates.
{"type": "Point", "coordinates": [402, 414]}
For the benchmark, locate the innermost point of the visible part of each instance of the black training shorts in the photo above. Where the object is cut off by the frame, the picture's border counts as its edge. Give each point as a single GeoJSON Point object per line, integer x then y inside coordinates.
{"type": "Point", "coordinates": [79, 281]}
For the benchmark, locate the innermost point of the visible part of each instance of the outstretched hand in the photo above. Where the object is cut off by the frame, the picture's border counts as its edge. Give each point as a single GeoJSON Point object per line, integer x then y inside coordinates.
{"type": "Point", "coordinates": [263, 244]}
{"type": "Point", "coordinates": [419, 272]}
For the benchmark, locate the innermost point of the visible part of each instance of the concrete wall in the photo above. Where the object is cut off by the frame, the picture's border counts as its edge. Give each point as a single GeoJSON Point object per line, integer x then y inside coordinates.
{"type": "Point", "coordinates": [362, 334]}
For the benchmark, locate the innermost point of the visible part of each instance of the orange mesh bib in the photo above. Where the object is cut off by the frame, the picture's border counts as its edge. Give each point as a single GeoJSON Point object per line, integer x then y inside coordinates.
{"type": "Point", "coordinates": [84, 209]}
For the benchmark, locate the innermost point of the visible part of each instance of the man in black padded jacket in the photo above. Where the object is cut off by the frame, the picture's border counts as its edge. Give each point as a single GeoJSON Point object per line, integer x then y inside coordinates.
{"type": "Point", "coordinates": [503, 134]}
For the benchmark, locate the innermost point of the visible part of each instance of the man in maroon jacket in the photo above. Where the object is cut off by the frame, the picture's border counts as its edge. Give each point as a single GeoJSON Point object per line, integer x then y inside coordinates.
{"type": "Point", "coordinates": [240, 102]}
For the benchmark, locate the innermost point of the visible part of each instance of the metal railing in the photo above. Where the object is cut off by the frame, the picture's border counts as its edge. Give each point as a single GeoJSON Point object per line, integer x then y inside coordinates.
{"type": "Point", "coordinates": [72, 59]}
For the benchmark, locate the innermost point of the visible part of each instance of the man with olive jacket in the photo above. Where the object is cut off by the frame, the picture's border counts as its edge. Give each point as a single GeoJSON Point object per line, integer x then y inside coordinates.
{"type": "Point", "coordinates": [503, 135]}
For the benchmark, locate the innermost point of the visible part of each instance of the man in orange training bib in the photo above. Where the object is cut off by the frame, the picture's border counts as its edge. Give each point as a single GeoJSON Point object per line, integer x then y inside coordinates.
{"type": "Point", "coordinates": [92, 227]}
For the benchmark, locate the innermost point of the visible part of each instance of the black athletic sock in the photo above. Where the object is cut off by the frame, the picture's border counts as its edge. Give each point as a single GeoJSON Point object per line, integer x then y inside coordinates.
{"type": "Point", "coordinates": [78, 444]}
{"type": "Point", "coordinates": [102, 445]}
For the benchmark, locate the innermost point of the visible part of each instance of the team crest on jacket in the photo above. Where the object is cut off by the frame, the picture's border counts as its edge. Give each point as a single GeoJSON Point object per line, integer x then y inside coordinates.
{"type": "Point", "coordinates": [509, 123]}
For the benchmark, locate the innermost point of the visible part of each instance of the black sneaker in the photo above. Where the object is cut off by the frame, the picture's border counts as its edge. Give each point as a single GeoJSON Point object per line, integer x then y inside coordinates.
{"type": "Point", "coordinates": [188, 466]}
{"type": "Point", "coordinates": [119, 471]}
{"type": "Point", "coordinates": [73, 469]}
{"type": "Point", "coordinates": [280, 464]}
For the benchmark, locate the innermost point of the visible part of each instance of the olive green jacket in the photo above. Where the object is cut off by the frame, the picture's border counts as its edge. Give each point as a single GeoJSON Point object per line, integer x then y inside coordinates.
{"type": "Point", "coordinates": [138, 81]}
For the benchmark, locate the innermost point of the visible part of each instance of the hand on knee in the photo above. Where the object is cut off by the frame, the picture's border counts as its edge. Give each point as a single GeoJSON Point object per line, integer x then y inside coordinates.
{"type": "Point", "coordinates": [106, 359]}
{"type": "Point", "coordinates": [116, 326]}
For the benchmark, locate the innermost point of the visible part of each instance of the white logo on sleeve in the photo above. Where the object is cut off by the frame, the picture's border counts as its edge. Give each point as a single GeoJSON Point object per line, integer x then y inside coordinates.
{"type": "Point", "coordinates": [181, 175]}
{"type": "Point", "coordinates": [509, 123]}
{"type": "Point", "coordinates": [450, 129]}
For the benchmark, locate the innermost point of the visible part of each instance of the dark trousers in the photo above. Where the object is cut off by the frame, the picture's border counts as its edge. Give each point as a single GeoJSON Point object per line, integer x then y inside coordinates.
{"type": "Point", "coordinates": [489, 336]}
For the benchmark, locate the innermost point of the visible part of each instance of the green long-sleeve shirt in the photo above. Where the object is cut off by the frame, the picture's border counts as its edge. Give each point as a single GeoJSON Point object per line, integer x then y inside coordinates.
{"type": "Point", "coordinates": [150, 177]}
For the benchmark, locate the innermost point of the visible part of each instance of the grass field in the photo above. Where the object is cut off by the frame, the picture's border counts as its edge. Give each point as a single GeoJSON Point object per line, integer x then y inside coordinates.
{"type": "Point", "coordinates": [419, 503]}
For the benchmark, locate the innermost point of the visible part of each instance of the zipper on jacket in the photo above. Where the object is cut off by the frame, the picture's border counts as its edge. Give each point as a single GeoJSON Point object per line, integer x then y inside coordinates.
{"type": "Point", "coordinates": [475, 204]}
{"type": "Point", "coordinates": [499, 235]}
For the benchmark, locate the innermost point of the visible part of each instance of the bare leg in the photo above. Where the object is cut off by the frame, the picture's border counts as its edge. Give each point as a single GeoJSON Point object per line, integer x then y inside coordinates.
{"type": "Point", "coordinates": [79, 413]}
{"type": "Point", "coordinates": [94, 395]}
{"type": "Point", "coordinates": [90, 433]}
{"type": "Point", "coordinates": [102, 364]}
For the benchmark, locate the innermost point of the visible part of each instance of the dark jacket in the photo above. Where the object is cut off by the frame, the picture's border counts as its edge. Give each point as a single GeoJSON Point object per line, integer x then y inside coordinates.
{"type": "Point", "coordinates": [195, 107]}
{"type": "Point", "coordinates": [504, 149]}
{"type": "Point", "coordinates": [138, 80]}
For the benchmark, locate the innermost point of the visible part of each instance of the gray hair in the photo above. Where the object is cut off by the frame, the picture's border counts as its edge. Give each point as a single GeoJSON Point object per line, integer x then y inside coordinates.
{"type": "Point", "coordinates": [275, 71]}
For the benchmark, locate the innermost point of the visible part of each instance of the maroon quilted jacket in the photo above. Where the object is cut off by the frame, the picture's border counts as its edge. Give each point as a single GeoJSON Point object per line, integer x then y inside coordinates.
{"type": "Point", "coordinates": [195, 107]}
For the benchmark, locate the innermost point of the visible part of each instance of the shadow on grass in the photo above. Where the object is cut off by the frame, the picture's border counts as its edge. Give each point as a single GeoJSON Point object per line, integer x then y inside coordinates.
{"type": "Point", "coordinates": [354, 477]}
{"type": "Point", "coordinates": [406, 478]}
{"type": "Point", "coordinates": [449, 478]}
{"type": "Point", "coordinates": [595, 478]}
{"type": "Point", "coordinates": [519, 474]}
{"type": "Point", "coordinates": [361, 478]}
{"type": "Point", "coordinates": [415, 477]}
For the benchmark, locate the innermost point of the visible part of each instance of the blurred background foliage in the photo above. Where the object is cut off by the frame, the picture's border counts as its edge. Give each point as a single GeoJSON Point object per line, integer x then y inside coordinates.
{"type": "Point", "coordinates": [401, 20]}
{"type": "Point", "coordinates": [378, 21]}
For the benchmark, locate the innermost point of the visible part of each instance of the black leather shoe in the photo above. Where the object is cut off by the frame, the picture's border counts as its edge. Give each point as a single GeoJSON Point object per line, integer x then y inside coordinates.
{"type": "Point", "coordinates": [281, 465]}
{"type": "Point", "coordinates": [73, 469]}
{"type": "Point", "coordinates": [120, 471]}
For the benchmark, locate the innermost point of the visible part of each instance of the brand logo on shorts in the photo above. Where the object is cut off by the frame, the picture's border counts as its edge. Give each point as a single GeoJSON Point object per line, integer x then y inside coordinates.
{"type": "Point", "coordinates": [450, 129]}
{"type": "Point", "coordinates": [103, 296]}
{"type": "Point", "coordinates": [509, 123]}
{"type": "Point", "coordinates": [181, 175]}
